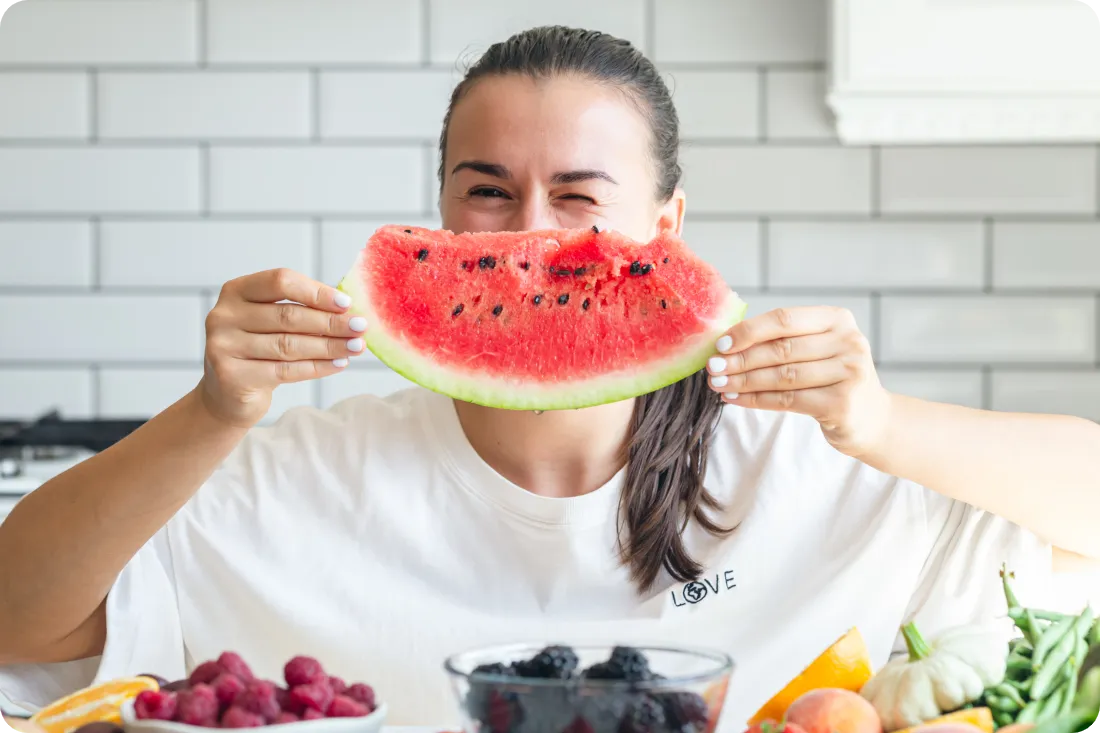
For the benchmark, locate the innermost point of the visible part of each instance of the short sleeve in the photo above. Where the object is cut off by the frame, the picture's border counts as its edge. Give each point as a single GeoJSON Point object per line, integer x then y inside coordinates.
{"type": "Point", "coordinates": [143, 635]}
{"type": "Point", "coordinates": [961, 582]}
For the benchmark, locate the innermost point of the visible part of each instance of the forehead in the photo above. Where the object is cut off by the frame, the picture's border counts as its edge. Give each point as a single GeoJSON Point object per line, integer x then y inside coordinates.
{"type": "Point", "coordinates": [560, 123]}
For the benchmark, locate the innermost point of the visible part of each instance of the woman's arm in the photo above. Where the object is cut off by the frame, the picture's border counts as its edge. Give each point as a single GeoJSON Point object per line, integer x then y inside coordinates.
{"type": "Point", "coordinates": [1040, 471]}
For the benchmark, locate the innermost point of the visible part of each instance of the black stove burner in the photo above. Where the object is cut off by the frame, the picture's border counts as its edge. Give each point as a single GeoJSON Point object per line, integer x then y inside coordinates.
{"type": "Point", "coordinates": [53, 436]}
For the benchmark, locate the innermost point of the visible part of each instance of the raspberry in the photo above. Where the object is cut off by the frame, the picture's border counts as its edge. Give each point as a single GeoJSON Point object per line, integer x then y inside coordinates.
{"type": "Point", "coordinates": [236, 717]}
{"type": "Point", "coordinates": [338, 685]}
{"type": "Point", "coordinates": [205, 673]}
{"type": "Point", "coordinates": [227, 687]}
{"type": "Point", "coordinates": [285, 717]}
{"type": "Point", "coordinates": [316, 696]}
{"type": "Point", "coordinates": [362, 694]}
{"type": "Point", "coordinates": [311, 714]}
{"type": "Point", "coordinates": [303, 671]}
{"type": "Point", "coordinates": [345, 707]}
{"type": "Point", "coordinates": [155, 705]}
{"type": "Point", "coordinates": [232, 663]}
{"type": "Point", "coordinates": [259, 697]}
{"type": "Point", "coordinates": [282, 695]}
{"type": "Point", "coordinates": [197, 706]}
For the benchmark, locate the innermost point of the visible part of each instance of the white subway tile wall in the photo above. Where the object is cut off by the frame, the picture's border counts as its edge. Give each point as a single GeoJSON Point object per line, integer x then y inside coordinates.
{"type": "Point", "coordinates": [150, 150]}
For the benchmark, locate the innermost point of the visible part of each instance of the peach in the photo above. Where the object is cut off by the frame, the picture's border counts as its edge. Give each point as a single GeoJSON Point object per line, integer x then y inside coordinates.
{"type": "Point", "coordinates": [1017, 728]}
{"type": "Point", "coordinates": [833, 710]}
{"type": "Point", "coordinates": [952, 728]}
{"type": "Point", "coordinates": [771, 726]}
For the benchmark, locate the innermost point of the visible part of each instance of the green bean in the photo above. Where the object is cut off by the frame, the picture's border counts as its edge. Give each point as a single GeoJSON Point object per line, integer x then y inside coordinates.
{"type": "Point", "coordinates": [1004, 704]}
{"type": "Point", "coordinates": [1052, 667]}
{"type": "Point", "coordinates": [1053, 704]}
{"type": "Point", "coordinates": [1078, 720]}
{"type": "Point", "coordinates": [1002, 719]}
{"type": "Point", "coordinates": [1034, 631]}
{"type": "Point", "coordinates": [1030, 714]}
{"type": "Point", "coordinates": [1023, 686]}
{"type": "Point", "coordinates": [1018, 663]}
{"type": "Point", "coordinates": [1088, 690]}
{"type": "Point", "coordinates": [1094, 637]}
{"type": "Point", "coordinates": [1007, 690]}
{"type": "Point", "coordinates": [1050, 639]}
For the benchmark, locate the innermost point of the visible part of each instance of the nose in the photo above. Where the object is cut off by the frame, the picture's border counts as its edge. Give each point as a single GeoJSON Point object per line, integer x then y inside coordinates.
{"type": "Point", "coordinates": [534, 212]}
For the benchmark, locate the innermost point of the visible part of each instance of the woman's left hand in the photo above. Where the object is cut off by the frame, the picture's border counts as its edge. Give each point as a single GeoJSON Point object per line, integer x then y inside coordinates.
{"type": "Point", "coordinates": [809, 360]}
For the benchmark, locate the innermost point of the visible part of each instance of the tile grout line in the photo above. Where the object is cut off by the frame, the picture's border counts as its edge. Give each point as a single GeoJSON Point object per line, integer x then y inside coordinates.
{"type": "Point", "coordinates": [96, 263]}
{"type": "Point", "coordinates": [204, 180]}
{"type": "Point", "coordinates": [876, 182]}
{"type": "Point", "coordinates": [202, 24]}
{"type": "Point", "coordinates": [765, 250]}
{"type": "Point", "coordinates": [93, 106]}
{"type": "Point", "coordinates": [875, 337]}
{"type": "Point", "coordinates": [987, 387]}
{"type": "Point", "coordinates": [315, 104]}
{"type": "Point", "coordinates": [987, 254]}
{"type": "Point", "coordinates": [425, 33]}
{"type": "Point", "coordinates": [762, 104]}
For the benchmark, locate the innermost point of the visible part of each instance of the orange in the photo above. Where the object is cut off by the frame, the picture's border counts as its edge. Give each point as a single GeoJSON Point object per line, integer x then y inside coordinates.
{"type": "Point", "coordinates": [100, 702]}
{"type": "Point", "coordinates": [977, 717]}
{"type": "Point", "coordinates": [845, 665]}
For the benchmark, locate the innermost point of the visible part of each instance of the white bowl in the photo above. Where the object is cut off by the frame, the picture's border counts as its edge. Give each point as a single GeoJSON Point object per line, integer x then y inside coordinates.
{"type": "Point", "coordinates": [367, 724]}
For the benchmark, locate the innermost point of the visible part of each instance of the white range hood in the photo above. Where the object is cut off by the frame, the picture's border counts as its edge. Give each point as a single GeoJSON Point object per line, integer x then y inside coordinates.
{"type": "Point", "coordinates": [965, 71]}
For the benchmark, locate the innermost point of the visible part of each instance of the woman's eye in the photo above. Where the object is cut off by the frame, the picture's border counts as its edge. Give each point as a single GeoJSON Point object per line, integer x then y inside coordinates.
{"type": "Point", "coordinates": [487, 192]}
{"type": "Point", "coordinates": [578, 197]}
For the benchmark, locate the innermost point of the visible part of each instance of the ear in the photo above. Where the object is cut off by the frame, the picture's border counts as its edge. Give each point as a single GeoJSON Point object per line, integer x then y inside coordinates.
{"type": "Point", "coordinates": [670, 217]}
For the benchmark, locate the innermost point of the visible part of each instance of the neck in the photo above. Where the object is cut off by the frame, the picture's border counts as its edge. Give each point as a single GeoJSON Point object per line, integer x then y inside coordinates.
{"type": "Point", "coordinates": [558, 453]}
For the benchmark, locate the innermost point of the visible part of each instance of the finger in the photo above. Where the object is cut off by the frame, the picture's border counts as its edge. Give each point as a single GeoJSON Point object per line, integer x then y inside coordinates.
{"type": "Point", "coordinates": [271, 286]}
{"type": "Point", "coordinates": [786, 350]}
{"type": "Point", "coordinates": [294, 318]}
{"type": "Point", "coordinates": [781, 323]}
{"type": "Point", "coordinates": [274, 373]}
{"type": "Point", "coordinates": [807, 375]}
{"type": "Point", "coordinates": [812, 402]}
{"type": "Point", "coordinates": [296, 347]}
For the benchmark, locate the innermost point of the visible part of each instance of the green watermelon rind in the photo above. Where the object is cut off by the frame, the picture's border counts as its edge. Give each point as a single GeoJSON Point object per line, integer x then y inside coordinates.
{"type": "Point", "coordinates": [688, 359]}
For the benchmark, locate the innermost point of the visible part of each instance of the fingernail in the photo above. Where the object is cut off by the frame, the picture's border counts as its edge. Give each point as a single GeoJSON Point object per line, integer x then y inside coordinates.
{"type": "Point", "coordinates": [725, 343]}
{"type": "Point", "coordinates": [716, 364]}
{"type": "Point", "coordinates": [729, 396]}
{"type": "Point", "coordinates": [358, 323]}
{"type": "Point", "coordinates": [720, 381]}
{"type": "Point", "coordinates": [342, 299]}
{"type": "Point", "coordinates": [341, 363]}
{"type": "Point", "coordinates": [355, 345]}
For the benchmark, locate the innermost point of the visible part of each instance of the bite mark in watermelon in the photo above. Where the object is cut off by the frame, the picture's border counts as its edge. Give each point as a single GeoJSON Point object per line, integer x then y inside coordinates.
{"type": "Point", "coordinates": [538, 320]}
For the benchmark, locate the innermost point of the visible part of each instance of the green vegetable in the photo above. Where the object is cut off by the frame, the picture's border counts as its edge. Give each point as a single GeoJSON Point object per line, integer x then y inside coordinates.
{"type": "Point", "coordinates": [1050, 639]}
{"type": "Point", "coordinates": [1007, 690]}
{"type": "Point", "coordinates": [1054, 663]}
{"type": "Point", "coordinates": [1094, 637]}
{"type": "Point", "coordinates": [1018, 663]}
{"type": "Point", "coordinates": [1003, 704]}
{"type": "Point", "coordinates": [1052, 706]}
{"type": "Point", "coordinates": [1088, 690]}
{"type": "Point", "coordinates": [1002, 719]}
{"type": "Point", "coordinates": [1023, 686]}
{"type": "Point", "coordinates": [1030, 714]}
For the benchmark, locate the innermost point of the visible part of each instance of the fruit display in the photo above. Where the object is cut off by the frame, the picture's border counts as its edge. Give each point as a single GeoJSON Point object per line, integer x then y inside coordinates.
{"type": "Point", "coordinates": [551, 691]}
{"type": "Point", "coordinates": [538, 320]}
{"type": "Point", "coordinates": [99, 703]}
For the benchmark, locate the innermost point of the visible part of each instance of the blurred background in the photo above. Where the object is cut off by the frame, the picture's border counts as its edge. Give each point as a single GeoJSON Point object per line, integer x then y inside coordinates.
{"type": "Point", "coordinates": [152, 149]}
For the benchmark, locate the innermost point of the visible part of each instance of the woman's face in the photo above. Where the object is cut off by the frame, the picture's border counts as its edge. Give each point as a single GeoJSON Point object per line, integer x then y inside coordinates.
{"type": "Point", "coordinates": [557, 153]}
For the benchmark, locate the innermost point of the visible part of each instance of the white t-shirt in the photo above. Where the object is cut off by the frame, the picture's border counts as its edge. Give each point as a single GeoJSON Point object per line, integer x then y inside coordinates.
{"type": "Point", "coordinates": [373, 537]}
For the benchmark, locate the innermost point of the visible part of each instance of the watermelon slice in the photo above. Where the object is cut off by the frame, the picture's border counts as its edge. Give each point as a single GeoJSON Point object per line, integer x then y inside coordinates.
{"type": "Point", "coordinates": [538, 320]}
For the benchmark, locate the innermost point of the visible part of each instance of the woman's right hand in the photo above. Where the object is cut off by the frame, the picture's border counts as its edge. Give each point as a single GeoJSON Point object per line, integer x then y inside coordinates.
{"type": "Point", "coordinates": [255, 343]}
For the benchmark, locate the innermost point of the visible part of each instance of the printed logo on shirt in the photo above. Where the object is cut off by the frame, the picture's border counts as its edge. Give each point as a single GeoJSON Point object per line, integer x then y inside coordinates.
{"type": "Point", "coordinates": [697, 590]}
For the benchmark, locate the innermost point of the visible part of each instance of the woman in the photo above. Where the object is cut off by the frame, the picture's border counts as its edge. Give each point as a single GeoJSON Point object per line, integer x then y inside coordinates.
{"type": "Point", "coordinates": [383, 534]}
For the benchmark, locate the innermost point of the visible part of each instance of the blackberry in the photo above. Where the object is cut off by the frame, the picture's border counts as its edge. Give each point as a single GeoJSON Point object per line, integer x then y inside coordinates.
{"type": "Point", "coordinates": [626, 663]}
{"type": "Point", "coordinates": [487, 702]}
{"type": "Point", "coordinates": [685, 712]}
{"type": "Point", "coordinates": [644, 716]}
{"type": "Point", "coordinates": [547, 709]}
{"type": "Point", "coordinates": [552, 663]}
{"type": "Point", "coordinates": [604, 711]}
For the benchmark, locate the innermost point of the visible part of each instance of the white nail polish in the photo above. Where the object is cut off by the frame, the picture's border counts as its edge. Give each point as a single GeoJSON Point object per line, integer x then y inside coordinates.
{"type": "Point", "coordinates": [716, 364]}
{"type": "Point", "coordinates": [720, 381]}
{"type": "Point", "coordinates": [342, 299]}
{"type": "Point", "coordinates": [357, 323]}
{"type": "Point", "coordinates": [731, 395]}
{"type": "Point", "coordinates": [355, 345]}
{"type": "Point", "coordinates": [341, 363]}
{"type": "Point", "coordinates": [725, 343]}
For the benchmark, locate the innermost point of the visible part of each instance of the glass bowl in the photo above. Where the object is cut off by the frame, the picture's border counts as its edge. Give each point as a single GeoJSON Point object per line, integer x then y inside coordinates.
{"type": "Point", "coordinates": [589, 689]}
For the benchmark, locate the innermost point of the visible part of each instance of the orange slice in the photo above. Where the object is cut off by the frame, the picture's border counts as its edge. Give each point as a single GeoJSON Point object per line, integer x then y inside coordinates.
{"type": "Point", "coordinates": [93, 704]}
{"type": "Point", "coordinates": [845, 665]}
{"type": "Point", "coordinates": [978, 717]}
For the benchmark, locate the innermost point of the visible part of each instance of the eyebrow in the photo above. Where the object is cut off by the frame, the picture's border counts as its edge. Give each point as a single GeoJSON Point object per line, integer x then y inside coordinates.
{"type": "Point", "coordinates": [497, 170]}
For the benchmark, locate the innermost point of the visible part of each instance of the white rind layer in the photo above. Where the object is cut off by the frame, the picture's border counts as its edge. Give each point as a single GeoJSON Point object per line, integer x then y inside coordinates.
{"type": "Point", "coordinates": [492, 391]}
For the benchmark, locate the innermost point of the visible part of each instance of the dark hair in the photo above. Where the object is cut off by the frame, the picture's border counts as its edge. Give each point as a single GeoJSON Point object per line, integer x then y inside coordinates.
{"type": "Point", "coordinates": [671, 428]}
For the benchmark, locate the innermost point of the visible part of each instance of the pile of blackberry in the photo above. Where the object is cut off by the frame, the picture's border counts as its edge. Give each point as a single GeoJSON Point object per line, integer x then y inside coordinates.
{"type": "Point", "coordinates": [500, 702]}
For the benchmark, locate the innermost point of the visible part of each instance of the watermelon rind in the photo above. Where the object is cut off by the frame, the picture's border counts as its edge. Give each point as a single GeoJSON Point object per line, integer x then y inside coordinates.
{"type": "Point", "coordinates": [494, 391]}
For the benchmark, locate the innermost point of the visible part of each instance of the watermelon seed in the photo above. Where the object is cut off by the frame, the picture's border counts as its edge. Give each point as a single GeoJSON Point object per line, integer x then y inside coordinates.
{"type": "Point", "coordinates": [487, 262]}
{"type": "Point", "coordinates": [408, 231]}
{"type": "Point", "coordinates": [635, 267]}
{"type": "Point", "coordinates": [526, 265]}
{"type": "Point", "coordinates": [565, 272]}
{"type": "Point", "coordinates": [498, 309]}
{"type": "Point", "coordinates": [537, 299]}
{"type": "Point", "coordinates": [596, 229]}
{"type": "Point", "coordinates": [422, 255]}
{"type": "Point", "coordinates": [665, 260]}
{"type": "Point", "coordinates": [585, 304]}
{"type": "Point", "coordinates": [457, 310]}
{"type": "Point", "coordinates": [664, 304]}
{"type": "Point", "coordinates": [647, 269]}
{"type": "Point", "coordinates": [580, 271]}
{"type": "Point", "coordinates": [563, 298]}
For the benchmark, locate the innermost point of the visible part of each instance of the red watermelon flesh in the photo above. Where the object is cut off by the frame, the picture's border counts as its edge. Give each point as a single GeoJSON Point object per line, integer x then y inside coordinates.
{"type": "Point", "coordinates": [538, 320]}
